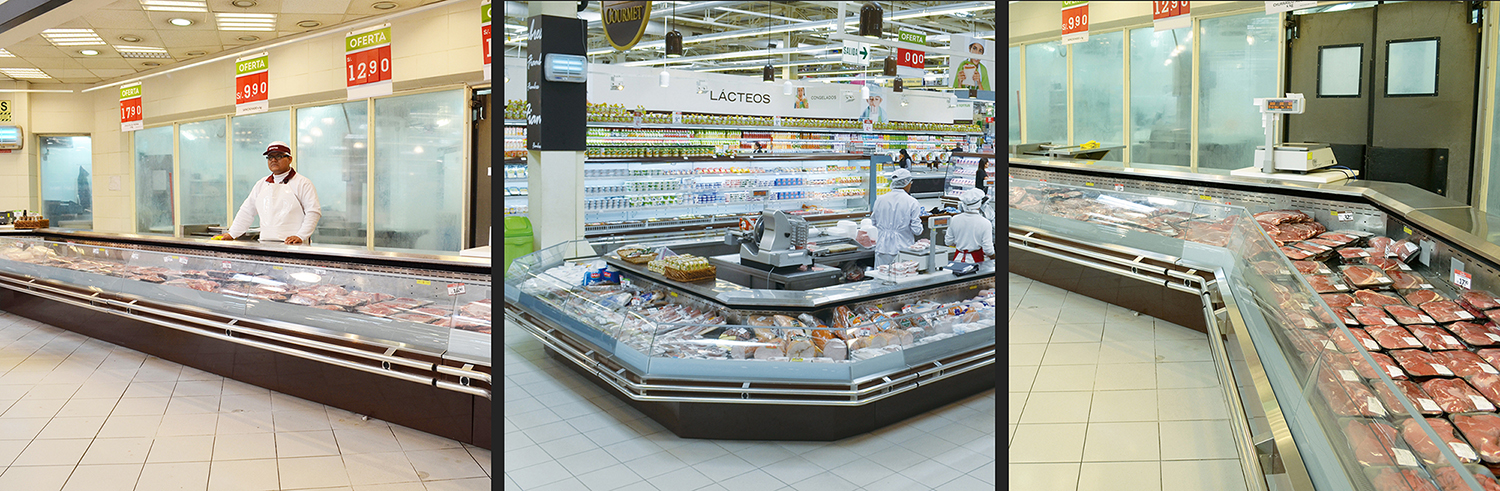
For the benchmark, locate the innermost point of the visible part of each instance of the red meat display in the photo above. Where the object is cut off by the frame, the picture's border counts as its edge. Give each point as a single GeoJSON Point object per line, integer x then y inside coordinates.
{"type": "Point", "coordinates": [1350, 398]}
{"type": "Point", "coordinates": [1278, 217]}
{"type": "Point", "coordinates": [1343, 344]}
{"type": "Point", "coordinates": [1402, 280]}
{"type": "Point", "coordinates": [1407, 315]}
{"type": "Point", "coordinates": [1384, 263]}
{"type": "Point", "coordinates": [1480, 300]}
{"type": "Point", "coordinates": [1483, 433]}
{"type": "Point", "coordinates": [1383, 362]}
{"type": "Point", "coordinates": [1371, 316]}
{"type": "Point", "coordinates": [1413, 393]}
{"type": "Point", "coordinates": [1420, 297]}
{"type": "Point", "coordinates": [377, 310]}
{"type": "Point", "coordinates": [1379, 245]}
{"type": "Point", "coordinates": [1294, 232]}
{"type": "Point", "coordinates": [1401, 480]}
{"type": "Point", "coordinates": [1456, 396]}
{"type": "Point", "coordinates": [1464, 363]}
{"type": "Point", "coordinates": [1308, 267]}
{"type": "Point", "coordinates": [1365, 276]}
{"type": "Point", "coordinates": [1345, 316]}
{"type": "Point", "coordinates": [1353, 253]}
{"type": "Point", "coordinates": [1475, 334]}
{"type": "Point", "coordinates": [1338, 299]}
{"type": "Point", "coordinates": [1490, 355]}
{"type": "Point", "coordinates": [1422, 364]}
{"type": "Point", "coordinates": [200, 285]}
{"type": "Point", "coordinates": [1294, 253]}
{"type": "Point", "coordinates": [1371, 297]}
{"type": "Point", "coordinates": [1371, 441]}
{"type": "Point", "coordinates": [1425, 448]}
{"type": "Point", "coordinates": [1433, 337]}
{"type": "Point", "coordinates": [1449, 479]}
{"type": "Point", "coordinates": [1446, 311]}
{"type": "Point", "coordinates": [1488, 384]}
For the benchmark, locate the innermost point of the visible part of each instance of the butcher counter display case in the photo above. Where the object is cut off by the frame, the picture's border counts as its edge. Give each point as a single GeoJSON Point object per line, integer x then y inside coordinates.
{"type": "Point", "coordinates": [386, 329]}
{"type": "Point", "coordinates": [1346, 344]}
{"type": "Point", "coordinates": [825, 363]}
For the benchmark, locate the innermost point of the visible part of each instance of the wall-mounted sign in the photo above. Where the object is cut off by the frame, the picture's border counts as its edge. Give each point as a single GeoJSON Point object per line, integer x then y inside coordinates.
{"type": "Point", "coordinates": [910, 62]}
{"type": "Point", "coordinates": [1075, 22]}
{"type": "Point", "coordinates": [1170, 15]}
{"type": "Point", "coordinates": [131, 118]}
{"type": "Point", "coordinates": [5, 111]}
{"type": "Point", "coordinates": [624, 22]}
{"type": "Point", "coordinates": [484, 34]}
{"type": "Point", "coordinates": [856, 53]}
{"type": "Point", "coordinates": [252, 84]}
{"type": "Point", "coordinates": [367, 59]}
{"type": "Point", "coordinates": [1279, 7]}
{"type": "Point", "coordinates": [973, 73]}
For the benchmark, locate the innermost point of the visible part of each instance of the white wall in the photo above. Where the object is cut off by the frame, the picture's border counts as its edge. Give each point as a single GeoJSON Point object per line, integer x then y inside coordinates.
{"type": "Point", "coordinates": [1031, 21]}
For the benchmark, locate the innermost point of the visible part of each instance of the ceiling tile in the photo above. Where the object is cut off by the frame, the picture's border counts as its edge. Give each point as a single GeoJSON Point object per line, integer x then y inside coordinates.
{"type": "Point", "coordinates": [113, 72]}
{"type": "Point", "coordinates": [34, 51]}
{"type": "Point", "coordinates": [90, 80]}
{"type": "Point", "coordinates": [188, 38]}
{"type": "Point", "coordinates": [101, 62]}
{"type": "Point", "coordinates": [261, 6]}
{"type": "Point", "coordinates": [288, 22]}
{"type": "Point", "coordinates": [149, 37]}
{"type": "Point", "coordinates": [126, 5]}
{"type": "Point", "coordinates": [68, 73]}
{"type": "Point", "coordinates": [201, 21]}
{"type": "Point", "coordinates": [231, 38]}
{"type": "Point", "coordinates": [316, 6]}
{"type": "Point", "coordinates": [118, 19]}
{"type": "Point", "coordinates": [54, 63]}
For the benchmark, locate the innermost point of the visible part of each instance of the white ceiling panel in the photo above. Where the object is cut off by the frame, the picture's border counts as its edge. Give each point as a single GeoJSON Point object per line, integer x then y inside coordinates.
{"type": "Point", "coordinates": [109, 73]}
{"type": "Point", "coordinates": [288, 22]}
{"type": "Point", "coordinates": [148, 37]}
{"type": "Point", "coordinates": [34, 51]}
{"type": "Point", "coordinates": [68, 72]}
{"type": "Point", "coordinates": [102, 62]}
{"type": "Point", "coordinates": [188, 38]}
{"type": "Point", "coordinates": [201, 21]}
{"type": "Point", "coordinates": [119, 19]}
{"type": "Point", "coordinates": [319, 6]}
{"type": "Point", "coordinates": [261, 6]}
{"type": "Point", "coordinates": [54, 63]}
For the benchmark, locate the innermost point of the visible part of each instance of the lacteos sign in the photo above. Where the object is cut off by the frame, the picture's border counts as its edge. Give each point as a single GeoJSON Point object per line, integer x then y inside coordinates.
{"type": "Point", "coordinates": [624, 22]}
{"type": "Point", "coordinates": [740, 97]}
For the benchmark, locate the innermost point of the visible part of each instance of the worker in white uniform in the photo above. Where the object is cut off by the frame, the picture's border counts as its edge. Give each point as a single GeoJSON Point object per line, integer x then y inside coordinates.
{"type": "Point", "coordinates": [286, 202]}
{"type": "Point", "coordinates": [972, 235]}
{"type": "Point", "coordinates": [897, 217]}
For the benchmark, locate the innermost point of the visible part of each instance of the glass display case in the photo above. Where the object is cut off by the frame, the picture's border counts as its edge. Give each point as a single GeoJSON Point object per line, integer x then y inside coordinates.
{"type": "Point", "coordinates": [1364, 390]}
{"type": "Point", "coordinates": [964, 170]}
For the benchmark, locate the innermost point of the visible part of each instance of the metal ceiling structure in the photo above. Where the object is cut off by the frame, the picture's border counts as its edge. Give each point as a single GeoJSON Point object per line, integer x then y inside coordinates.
{"type": "Point", "coordinates": [733, 37]}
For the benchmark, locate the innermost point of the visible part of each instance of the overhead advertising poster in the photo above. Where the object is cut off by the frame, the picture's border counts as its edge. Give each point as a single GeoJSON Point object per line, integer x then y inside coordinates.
{"type": "Point", "coordinates": [1075, 22]}
{"type": "Point", "coordinates": [131, 118]}
{"type": "Point", "coordinates": [484, 34]}
{"type": "Point", "coordinates": [972, 72]}
{"type": "Point", "coordinates": [367, 59]}
{"type": "Point", "coordinates": [252, 84]}
{"type": "Point", "coordinates": [910, 62]}
{"type": "Point", "coordinates": [624, 22]}
{"type": "Point", "coordinates": [1170, 15]}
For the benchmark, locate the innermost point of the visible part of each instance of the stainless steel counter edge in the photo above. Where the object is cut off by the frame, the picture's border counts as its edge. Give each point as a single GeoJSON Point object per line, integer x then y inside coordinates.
{"type": "Point", "coordinates": [245, 247]}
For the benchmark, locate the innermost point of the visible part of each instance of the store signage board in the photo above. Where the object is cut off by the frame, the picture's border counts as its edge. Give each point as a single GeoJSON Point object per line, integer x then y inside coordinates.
{"type": "Point", "coordinates": [367, 61]}
{"type": "Point", "coordinates": [624, 22]}
{"type": "Point", "coordinates": [131, 118]}
{"type": "Point", "coordinates": [1170, 15]}
{"type": "Point", "coordinates": [252, 84]}
{"type": "Point", "coordinates": [910, 62]}
{"type": "Point", "coordinates": [484, 34]}
{"type": "Point", "coordinates": [1279, 7]}
{"type": "Point", "coordinates": [857, 53]}
{"type": "Point", "coordinates": [1075, 22]}
{"type": "Point", "coordinates": [557, 120]}
{"type": "Point", "coordinates": [5, 111]}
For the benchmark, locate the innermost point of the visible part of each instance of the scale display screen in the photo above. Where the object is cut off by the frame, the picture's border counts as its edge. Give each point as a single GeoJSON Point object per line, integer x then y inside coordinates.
{"type": "Point", "coordinates": [1285, 105]}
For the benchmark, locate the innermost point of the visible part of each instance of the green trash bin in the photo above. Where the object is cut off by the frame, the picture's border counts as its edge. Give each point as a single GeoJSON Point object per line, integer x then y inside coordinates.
{"type": "Point", "coordinates": [518, 239]}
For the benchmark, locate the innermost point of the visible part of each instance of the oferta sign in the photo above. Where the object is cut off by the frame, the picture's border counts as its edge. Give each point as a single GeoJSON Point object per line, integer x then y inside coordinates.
{"type": "Point", "coordinates": [131, 118]}
{"type": "Point", "coordinates": [910, 62]}
{"type": "Point", "coordinates": [624, 22]}
{"type": "Point", "coordinates": [252, 84]}
{"type": "Point", "coordinates": [367, 61]}
{"type": "Point", "coordinates": [484, 34]}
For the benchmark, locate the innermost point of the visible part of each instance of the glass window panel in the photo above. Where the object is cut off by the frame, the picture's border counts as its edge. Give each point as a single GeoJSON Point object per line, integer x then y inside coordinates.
{"type": "Point", "coordinates": [153, 180]}
{"type": "Point", "coordinates": [1099, 91]}
{"type": "Point", "coordinates": [67, 181]}
{"type": "Point", "coordinates": [1492, 191]}
{"type": "Point", "coordinates": [419, 171]}
{"type": "Point", "coordinates": [1238, 64]}
{"type": "Point", "coordinates": [1015, 88]}
{"type": "Point", "coordinates": [1340, 70]}
{"type": "Point", "coordinates": [252, 133]}
{"type": "Point", "coordinates": [204, 167]}
{"type": "Point", "coordinates": [332, 150]}
{"type": "Point", "coordinates": [1411, 67]}
{"type": "Point", "coordinates": [1047, 93]}
{"type": "Point", "coordinates": [1161, 108]}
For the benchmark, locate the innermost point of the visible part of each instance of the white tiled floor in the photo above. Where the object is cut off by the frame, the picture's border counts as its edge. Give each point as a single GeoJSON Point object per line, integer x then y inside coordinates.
{"type": "Point", "coordinates": [79, 414]}
{"type": "Point", "coordinates": [1103, 399]}
{"type": "Point", "coordinates": [564, 433]}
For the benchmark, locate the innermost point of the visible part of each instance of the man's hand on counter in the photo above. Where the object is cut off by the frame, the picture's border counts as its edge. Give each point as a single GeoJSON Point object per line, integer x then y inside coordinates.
{"type": "Point", "coordinates": [293, 240]}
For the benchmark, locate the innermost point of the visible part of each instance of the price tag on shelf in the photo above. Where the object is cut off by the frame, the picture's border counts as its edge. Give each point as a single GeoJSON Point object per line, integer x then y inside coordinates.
{"type": "Point", "coordinates": [424, 282]}
{"type": "Point", "coordinates": [225, 264]}
{"type": "Point", "coordinates": [167, 259]}
{"type": "Point", "coordinates": [134, 256]}
{"type": "Point", "coordinates": [1463, 279]}
{"type": "Point", "coordinates": [182, 260]}
{"type": "Point", "coordinates": [455, 289]}
{"type": "Point", "coordinates": [1089, 184]}
{"type": "Point", "coordinates": [320, 271]}
{"type": "Point", "coordinates": [776, 120]}
{"type": "Point", "coordinates": [1346, 216]}
{"type": "Point", "coordinates": [676, 117]}
{"type": "Point", "coordinates": [1119, 187]}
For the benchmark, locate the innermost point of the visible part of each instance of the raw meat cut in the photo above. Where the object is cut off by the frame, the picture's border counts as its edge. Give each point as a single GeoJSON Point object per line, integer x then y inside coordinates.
{"type": "Point", "coordinates": [1345, 316]}
{"type": "Point", "coordinates": [1465, 364]}
{"type": "Point", "coordinates": [1420, 443]}
{"type": "Point", "coordinates": [478, 310]}
{"type": "Point", "coordinates": [378, 310]}
{"type": "Point", "coordinates": [1312, 247]}
{"type": "Point", "coordinates": [1403, 250]}
{"type": "Point", "coordinates": [1480, 300]}
{"type": "Point", "coordinates": [1268, 268]}
{"type": "Point", "coordinates": [1407, 315]}
{"type": "Point", "coordinates": [200, 285]}
{"type": "Point", "coordinates": [1433, 337]}
{"type": "Point", "coordinates": [346, 301]}
{"type": "Point", "coordinates": [1421, 363]}
{"type": "Point", "coordinates": [1487, 384]}
{"type": "Point", "coordinates": [1490, 355]}
{"type": "Point", "coordinates": [1420, 297]}
{"type": "Point", "coordinates": [1326, 283]}
{"type": "Point", "coordinates": [1338, 299]}
{"type": "Point", "coordinates": [1492, 314]}
{"type": "Point", "coordinates": [1353, 253]}
{"type": "Point", "coordinates": [1384, 263]}
{"type": "Point", "coordinates": [1331, 244]}
{"type": "Point", "coordinates": [1371, 316]}
{"type": "Point", "coordinates": [1350, 398]}
{"type": "Point", "coordinates": [1475, 334]}
{"type": "Point", "coordinates": [1277, 217]}
{"type": "Point", "coordinates": [1337, 238]}
{"type": "Point", "coordinates": [1455, 396]}
{"type": "Point", "coordinates": [301, 300]}
{"type": "Point", "coordinates": [1384, 362]}
{"type": "Point", "coordinates": [1363, 276]}
{"type": "Point", "coordinates": [1310, 267]}
{"type": "Point", "coordinates": [1371, 297]}
{"type": "Point", "coordinates": [1402, 280]}
{"type": "Point", "coordinates": [1379, 244]}
{"type": "Point", "coordinates": [1413, 394]}
{"type": "Point", "coordinates": [433, 312]}
{"type": "Point", "coordinates": [1294, 232]}
{"type": "Point", "coordinates": [1210, 233]}
{"type": "Point", "coordinates": [1483, 433]}
{"type": "Point", "coordinates": [1344, 345]}
{"type": "Point", "coordinates": [1448, 478]}
{"type": "Point", "coordinates": [1446, 311]}
{"type": "Point", "coordinates": [1371, 441]}
{"type": "Point", "coordinates": [1401, 480]}
{"type": "Point", "coordinates": [371, 297]}
{"type": "Point", "coordinates": [1294, 253]}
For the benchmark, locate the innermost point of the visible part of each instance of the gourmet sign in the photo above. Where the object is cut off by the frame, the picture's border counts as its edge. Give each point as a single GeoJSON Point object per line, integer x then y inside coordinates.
{"type": "Point", "coordinates": [624, 22]}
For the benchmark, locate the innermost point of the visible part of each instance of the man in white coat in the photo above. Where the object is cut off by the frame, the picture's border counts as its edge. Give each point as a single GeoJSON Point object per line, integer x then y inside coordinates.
{"type": "Point", "coordinates": [897, 217]}
{"type": "Point", "coordinates": [286, 202]}
{"type": "Point", "coordinates": [971, 233]}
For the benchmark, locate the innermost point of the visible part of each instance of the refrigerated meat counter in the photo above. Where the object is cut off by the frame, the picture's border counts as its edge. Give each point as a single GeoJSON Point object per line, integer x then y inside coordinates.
{"type": "Point", "coordinates": [400, 337]}
{"type": "Point", "coordinates": [1352, 325]}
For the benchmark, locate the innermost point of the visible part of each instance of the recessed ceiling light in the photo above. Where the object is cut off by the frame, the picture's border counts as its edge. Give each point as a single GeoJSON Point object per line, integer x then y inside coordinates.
{"type": "Point", "coordinates": [229, 21]}
{"type": "Point", "coordinates": [6, 54]}
{"type": "Point", "coordinates": [175, 5]}
{"type": "Point", "coordinates": [130, 38]}
{"type": "Point", "coordinates": [72, 37]}
{"type": "Point", "coordinates": [197, 53]}
{"type": "Point", "coordinates": [23, 73]}
{"type": "Point", "coordinates": [151, 63]}
{"type": "Point", "coordinates": [89, 52]}
{"type": "Point", "coordinates": [243, 3]}
{"type": "Point", "coordinates": [248, 38]}
{"type": "Point", "coordinates": [142, 52]}
{"type": "Point", "coordinates": [179, 21]}
{"type": "Point", "coordinates": [384, 5]}
{"type": "Point", "coordinates": [309, 24]}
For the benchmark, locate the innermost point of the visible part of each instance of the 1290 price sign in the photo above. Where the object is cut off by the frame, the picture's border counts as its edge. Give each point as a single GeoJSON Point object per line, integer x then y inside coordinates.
{"type": "Point", "coordinates": [367, 57]}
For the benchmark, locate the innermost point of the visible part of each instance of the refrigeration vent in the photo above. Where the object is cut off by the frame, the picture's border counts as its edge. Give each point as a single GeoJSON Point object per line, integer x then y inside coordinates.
{"type": "Point", "coordinates": [468, 278]}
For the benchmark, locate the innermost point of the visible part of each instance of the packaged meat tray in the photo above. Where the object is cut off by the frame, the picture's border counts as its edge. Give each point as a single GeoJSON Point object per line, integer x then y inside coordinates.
{"type": "Point", "coordinates": [404, 303]}
{"type": "Point", "coordinates": [1419, 297]}
{"type": "Point", "coordinates": [1327, 283]}
{"type": "Point", "coordinates": [1311, 267]}
{"type": "Point", "coordinates": [1324, 242]}
{"type": "Point", "coordinates": [1446, 311]}
{"type": "Point", "coordinates": [1352, 233]}
{"type": "Point", "coordinates": [1403, 250]}
{"type": "Point", "coordinates": [1386, 479]}
{"type": "Point", "coordinates": [1483, 433]}
{"type": "Point", "coordinates": [1372, 442]}
{"type": "Point", "coordinates": [1345, 316]}
{"type": "Point", "coordinates": [1312, 247]}
{"type": "Point", "coordinates": [1489, 355]}
{"type": "Point", "coordinates": [1288, 233]}
{"type": "Point", "coordinates": [1360, 336]}
{"type": "Point", "coordinates": [1278, 217]}
{"type": "Point", "coordinates": [1368, 315]}
{"type": "Point", "coordinates": [1488, 385]}
{"type": "Point", "coordinates": [1475, 334]}
{"type": "Point", "coordinates": [1448, 478]}
{"type": "Point", "coordinates": [1435, 338]}
{"type": "Point", "coordinates": [1296, 254]}
{"type": "Point", "coordinates": [1408, 315]}
{"type": "Point", "coordinates": [1413, 393]}
{"type": "Point", "coordinates": [1364, 276]}
{"type": "Point", "coordinates": [1406, 280]}
{"type": "Point", "coordinates": [1386, 264]}
{"type": "Point", "coordinates": [1350, 398]}
{"type": "Point", "coordinates": [1372, 297]}
{"type": "Point", "coordinates": [1352, 254]}
{"type": "Point", "coordinates": [1422, 364]}
{"type": "Point", "coordinates": [1479, 300]}
{"type": "Point", "coordinates": [1464, 363]}
{"type": "Point", "coordinates": [1456, 396]}
{"type": "Point", "coordinates": [1339, 299]}
{"type": "Point", "coordinates": [1378, 245]}
{"type": "Point", "coordinates": [1385, 363]}
{"type": "Point", "coordinates": [1337, 239]}
{"type": "Point", "coordinates": [1425, 448]}
{"type": "Point", "coordinates": [1493, 315]}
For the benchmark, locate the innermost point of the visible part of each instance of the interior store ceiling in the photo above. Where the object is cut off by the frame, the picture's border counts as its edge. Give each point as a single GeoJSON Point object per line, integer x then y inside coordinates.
{"type": "Point", "coordinates": [138, 35]}
{"type": "Point", "coordinates": [814, 21]}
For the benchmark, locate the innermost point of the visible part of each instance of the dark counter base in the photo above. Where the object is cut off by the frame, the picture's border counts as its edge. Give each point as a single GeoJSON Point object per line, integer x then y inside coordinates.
{"type": "Point", "coordinates": [461, 417]}
{"type": "Point", "coordinates": [1164, 303]}
{"type": "Point", "coordinates": [794, 422]}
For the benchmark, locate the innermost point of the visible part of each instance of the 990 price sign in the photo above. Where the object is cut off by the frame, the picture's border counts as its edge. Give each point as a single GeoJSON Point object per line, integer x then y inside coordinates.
{"type": "Point", "coordinates": [367, 62]}
{"type": "Point", "coordinates": [1075, 22]}
{"type": "Point", "coordinates": [131, 118]}
{"type": "Point", "coordinates": [251, 84]}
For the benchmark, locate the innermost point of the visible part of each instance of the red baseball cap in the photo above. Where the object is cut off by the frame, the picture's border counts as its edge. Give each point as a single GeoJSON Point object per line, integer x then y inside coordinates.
{"type": "Point", "coordinates": [278, 147]}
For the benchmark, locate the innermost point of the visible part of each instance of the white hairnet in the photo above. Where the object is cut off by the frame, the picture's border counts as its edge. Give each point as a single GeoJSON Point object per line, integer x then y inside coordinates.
{"type": "Point", "coordinates": [970, 200]}
{"type": "Point", "coordinates": [900, 178]}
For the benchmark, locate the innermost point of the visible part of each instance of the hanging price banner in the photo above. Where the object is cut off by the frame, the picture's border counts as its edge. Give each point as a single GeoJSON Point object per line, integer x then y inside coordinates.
{"type": "Point", "coordinates": [131, 118]}
{"type": "Point", "coordinates": [252, 84]}
{"type": "Point", "coordinates": [1170, 15]}
{"type": "Point", "coordinates": [367, 61]}
{"type": "Point", "coordinates": [484, 34]}
{"type": "Point", "coordinates": [1075, 22]}
{"type": "Point", "coordinates": [1279, 7]}
{"type": "Point", "coordinates": [910, 62]}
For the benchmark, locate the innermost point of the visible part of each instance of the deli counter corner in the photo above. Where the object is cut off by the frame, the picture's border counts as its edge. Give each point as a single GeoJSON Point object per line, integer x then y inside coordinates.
{"type": "Point", "coordinates": [1353, 325]}
{"type": "Point", "coordinates": [400, 337]}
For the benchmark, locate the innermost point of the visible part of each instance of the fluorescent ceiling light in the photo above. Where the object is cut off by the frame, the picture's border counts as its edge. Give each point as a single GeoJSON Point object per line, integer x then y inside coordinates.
{"type": "Point", "coordinates": [6, 54]}
{"type": "Point", "coordinates": [174, 6]}
{"type": "Point", "coordinates": [928, 12]}
{"type": "Point", "coordinates": [23, 73]}
{"type": "Point", "coordinates": [72, 37]}
{"type": "Point", "coordinates": [142, 52]}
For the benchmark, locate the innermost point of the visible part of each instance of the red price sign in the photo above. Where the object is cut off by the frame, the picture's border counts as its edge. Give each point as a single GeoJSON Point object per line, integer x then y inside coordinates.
{"type": "Point", "coordinates": [911, 58]}
{"type": "Point", "coordinates": [367, 61]}
{"type": "Point", "coordinates": [251, 88]}
{"type": "Point", "coordinates": [1170, 15]}
{"type": "Point", "coordinates": [1075, 19]}
{"type": "Point", "coordinates": [251, 84]}
{"type": "Point", "coordinates": [130, 107]}
{"type": "Point", "coordinates": [484, 34]}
